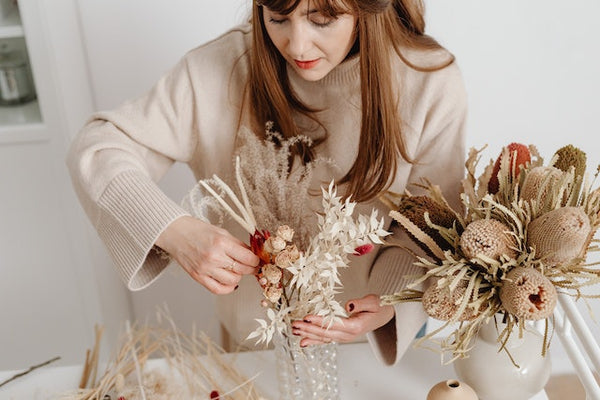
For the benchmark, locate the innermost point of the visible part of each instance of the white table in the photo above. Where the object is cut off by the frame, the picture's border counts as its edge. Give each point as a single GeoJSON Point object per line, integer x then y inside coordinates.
{"type": "Point", "coordinates": [360, 376]}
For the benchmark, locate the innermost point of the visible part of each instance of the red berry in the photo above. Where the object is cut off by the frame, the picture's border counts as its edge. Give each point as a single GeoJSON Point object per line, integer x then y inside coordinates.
{"type": "Point", "coordinates": [523, 157]}
{"type": "Point", "coordinates": [364, 249]}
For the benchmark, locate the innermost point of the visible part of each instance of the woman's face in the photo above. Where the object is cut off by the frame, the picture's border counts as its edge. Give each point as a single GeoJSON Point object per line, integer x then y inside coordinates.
{"type": "Point", "coordinates": [311, 42]}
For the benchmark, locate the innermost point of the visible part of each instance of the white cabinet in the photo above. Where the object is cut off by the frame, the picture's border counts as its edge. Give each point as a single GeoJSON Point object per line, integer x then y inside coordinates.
{"type": "Point", "coordinates": [17, 122]}
{"type": "Point", "coordinates": [55, 279]}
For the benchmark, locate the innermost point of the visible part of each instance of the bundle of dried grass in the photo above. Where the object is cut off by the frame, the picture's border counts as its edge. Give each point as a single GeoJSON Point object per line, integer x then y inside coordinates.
{"type": "Point", "coordinates": [197, 368]}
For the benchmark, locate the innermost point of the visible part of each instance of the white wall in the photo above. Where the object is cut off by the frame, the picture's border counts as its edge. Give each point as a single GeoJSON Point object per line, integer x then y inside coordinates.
{"type": "Point", "coordinates": [130, 44]}
{"type": "Point", "coordinates": [530, 68]}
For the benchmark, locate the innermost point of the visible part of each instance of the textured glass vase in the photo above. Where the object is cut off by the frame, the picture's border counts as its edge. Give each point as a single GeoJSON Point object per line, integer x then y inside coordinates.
{"type": "Point", "coordinates": [308, 373]}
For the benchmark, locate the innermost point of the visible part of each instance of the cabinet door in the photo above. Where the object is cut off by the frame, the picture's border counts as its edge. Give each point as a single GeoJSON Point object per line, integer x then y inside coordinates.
{"type": "Point", "coordinates": [54, 280]}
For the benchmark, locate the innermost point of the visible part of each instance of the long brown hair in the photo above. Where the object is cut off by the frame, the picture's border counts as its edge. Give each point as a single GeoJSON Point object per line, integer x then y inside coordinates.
{"type": "Point", "coordinates": [383, 27]}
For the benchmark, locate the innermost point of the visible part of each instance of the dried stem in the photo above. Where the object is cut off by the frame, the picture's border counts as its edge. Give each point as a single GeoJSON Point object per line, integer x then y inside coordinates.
{"type": "Point", "coordinates": [32, 368]}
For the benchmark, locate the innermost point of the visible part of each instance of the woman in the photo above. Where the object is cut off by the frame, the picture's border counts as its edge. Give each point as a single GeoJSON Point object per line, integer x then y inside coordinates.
{"type": "Point", "coordinates": [380, 99]}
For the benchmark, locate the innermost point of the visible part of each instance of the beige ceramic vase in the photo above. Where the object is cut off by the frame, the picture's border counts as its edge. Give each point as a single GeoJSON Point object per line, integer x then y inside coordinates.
{"type": "Point", "coordinates": [451, 390]}
{"type": "Point", "coordinates": [493, 376]}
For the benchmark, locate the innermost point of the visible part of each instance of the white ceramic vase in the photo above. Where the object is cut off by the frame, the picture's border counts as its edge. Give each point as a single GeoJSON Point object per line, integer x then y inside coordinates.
{"type": "Point", "coordinates": [451, 390]}
{"type": "Point", "coordinates": [492, 374]}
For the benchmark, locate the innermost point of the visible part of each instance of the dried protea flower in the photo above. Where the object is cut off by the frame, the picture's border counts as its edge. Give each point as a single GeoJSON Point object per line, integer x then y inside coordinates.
{"type": "Point", "coordinates": [528, 294]}
{"type": "Point", "coordinates": [441, 304]}
{"type": "Point", "coordinates": [570, 156]}
{"type": "Point", "coordinates": [488, 237]}
{"type": "Point", "coordinates": [415, 207]}
{"type": "Point", "coordinates": [560, 235]}
{"type": "Point", "coordinates": [539, 182]}
{"type": "Point", "coordinates": [523, 156]}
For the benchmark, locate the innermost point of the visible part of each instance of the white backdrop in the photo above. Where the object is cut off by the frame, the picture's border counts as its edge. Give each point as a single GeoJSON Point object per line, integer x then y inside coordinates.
{"type": "Point", "coordinates": [530, 67]}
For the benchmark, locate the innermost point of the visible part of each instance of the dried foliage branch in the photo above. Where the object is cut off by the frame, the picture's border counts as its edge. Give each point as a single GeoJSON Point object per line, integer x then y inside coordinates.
{"type": "Point", "coordinates": [195, 367]}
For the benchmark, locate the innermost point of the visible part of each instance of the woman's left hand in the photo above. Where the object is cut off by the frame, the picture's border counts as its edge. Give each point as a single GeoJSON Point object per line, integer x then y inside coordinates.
{"type": "Point", "coordinates": [364, 315]}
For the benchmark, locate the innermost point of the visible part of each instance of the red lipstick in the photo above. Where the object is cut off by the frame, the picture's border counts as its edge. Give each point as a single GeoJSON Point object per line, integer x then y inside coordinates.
{"type": "Point", "coordinates": [306, 64]}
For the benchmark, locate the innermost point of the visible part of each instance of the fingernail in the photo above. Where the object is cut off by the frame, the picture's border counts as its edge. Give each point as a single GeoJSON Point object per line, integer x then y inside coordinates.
{"type": "Point", "coordinates": [351, 306]}
{"type": "Point", "coordinates": [307, 321]}
{"type": "Point", "coordinates": [236, 286]}
{"type": "Point", "coordinates": [302, 345]}
{"type": "Point", "coordinates": [295, 333]}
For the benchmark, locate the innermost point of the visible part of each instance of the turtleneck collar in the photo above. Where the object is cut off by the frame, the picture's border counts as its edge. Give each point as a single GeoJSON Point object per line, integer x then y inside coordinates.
{"type": "Point", "coordinates": [345, 75]}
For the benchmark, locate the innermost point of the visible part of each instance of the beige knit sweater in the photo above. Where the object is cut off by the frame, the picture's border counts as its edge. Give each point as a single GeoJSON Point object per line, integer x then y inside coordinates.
{"type": "Point", "coordinates": [191, 116]}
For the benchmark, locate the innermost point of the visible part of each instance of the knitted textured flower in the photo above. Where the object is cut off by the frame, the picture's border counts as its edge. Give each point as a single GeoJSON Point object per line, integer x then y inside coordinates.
{"type": "Point", "coordinates": [443, 304]}
{"type": "Point", "coordinates": [487, 237]}
{"type": "Point", "coordinates": [415, 207]}
{"type": "Point", "coordinates": [560, 235]}
{"type": "Point", "coordinates": [539, 182]}
{"type": "Point", "coordinates": [570, 156]}
{"type": "Point", "coordinates": [528, 294]}
{"type": "Point", "coordinates": [519, 155]}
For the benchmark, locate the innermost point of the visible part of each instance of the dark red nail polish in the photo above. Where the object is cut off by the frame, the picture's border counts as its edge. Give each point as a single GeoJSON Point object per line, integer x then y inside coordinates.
{"type": "Point", "coordinates": [236, 286]}
{"type": "Point", "coordinates": [351, 306]}
{"type": "Point", "coordinates": [307, 321]}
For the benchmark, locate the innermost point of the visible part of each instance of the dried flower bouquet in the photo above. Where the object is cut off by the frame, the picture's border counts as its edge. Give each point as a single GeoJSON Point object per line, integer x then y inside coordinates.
{"type": "Point", "coordinates": [299, 266]}
{"type": "Point", "coordinates": [523, 238]}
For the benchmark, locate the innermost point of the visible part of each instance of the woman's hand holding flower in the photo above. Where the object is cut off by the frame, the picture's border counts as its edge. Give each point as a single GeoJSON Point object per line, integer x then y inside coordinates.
{"type": "Point", "coordinates": [364, 315]}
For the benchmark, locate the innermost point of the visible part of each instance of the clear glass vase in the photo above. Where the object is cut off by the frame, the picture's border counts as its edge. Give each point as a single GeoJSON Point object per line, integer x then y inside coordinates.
{"type": "Point", "coordinates": [308, 373]}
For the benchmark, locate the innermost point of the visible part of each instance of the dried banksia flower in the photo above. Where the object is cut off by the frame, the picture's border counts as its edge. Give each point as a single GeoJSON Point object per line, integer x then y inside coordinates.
{"type": "Point", "coordinates": [523, 156]}
{"type": "Point", "coordinates": [571, 156]}
{"type": "Point", "coordinates": [540, 180]}
{"type": "Point", "coordinates": [441, 304]}
{"type": "Point", "coordinates": [488, 237]}
{"type": "Point", "coordinates": [559, 236]}
{"type": "Point", "coordinates": [415, 207]}
{"type": "Point", "coordinates": [528, 294]}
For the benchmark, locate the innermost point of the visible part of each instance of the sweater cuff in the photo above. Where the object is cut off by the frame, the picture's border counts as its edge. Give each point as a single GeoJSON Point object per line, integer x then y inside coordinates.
{"type": "Point", "coordinates": [134, 212]}
{"type": "Point", "coordinates": [392, 271]}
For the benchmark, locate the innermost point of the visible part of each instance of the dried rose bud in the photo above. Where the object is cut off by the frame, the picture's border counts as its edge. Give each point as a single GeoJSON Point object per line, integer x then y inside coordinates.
{"type": "Point", "coordinates": [214, 395]}
{"type": "Point", "coordinates": [293, 251]}
{"type": "Point", "coordinates": [285, 232]}
{"type": "Point", "coordinates": [364, 249]}
{"type": "Point", "coordinates": [283, 259]}
{"type": "Point", "coordinates": [275, 244]}
{"type": "Point", "coordinates": [272, 273]}
{"type": "Point", "coordinates": [273, 294]}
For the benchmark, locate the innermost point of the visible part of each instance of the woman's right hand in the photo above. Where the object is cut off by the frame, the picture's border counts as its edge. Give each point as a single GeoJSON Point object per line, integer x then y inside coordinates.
{"type": "Point", "coordinates": [210, 255]}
